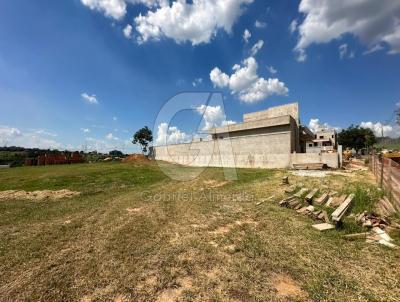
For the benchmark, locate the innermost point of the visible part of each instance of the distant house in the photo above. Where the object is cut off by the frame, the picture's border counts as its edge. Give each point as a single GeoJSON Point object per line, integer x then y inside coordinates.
{"type": "Point", "coordinates": [325, 140]}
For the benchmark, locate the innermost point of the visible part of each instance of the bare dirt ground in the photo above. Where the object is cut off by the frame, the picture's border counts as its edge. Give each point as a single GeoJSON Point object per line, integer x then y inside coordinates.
{"type": "Point", "coordinates": [37, 195]}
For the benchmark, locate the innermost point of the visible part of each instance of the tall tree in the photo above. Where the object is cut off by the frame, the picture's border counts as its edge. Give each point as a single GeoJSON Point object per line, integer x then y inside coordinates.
{"type": "Point", "coordinates": [356, 137]}
{"type": "Point", "coordinates": [143, 137]}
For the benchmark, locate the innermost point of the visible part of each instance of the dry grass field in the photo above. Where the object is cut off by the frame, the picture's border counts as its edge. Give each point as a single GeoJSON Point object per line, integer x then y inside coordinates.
{"type": "Point", "coordinates": [133, 234]}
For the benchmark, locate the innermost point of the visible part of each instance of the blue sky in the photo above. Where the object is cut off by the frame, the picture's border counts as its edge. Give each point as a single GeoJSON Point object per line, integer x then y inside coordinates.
{"type": "Point", "coordinates": [70, 77]}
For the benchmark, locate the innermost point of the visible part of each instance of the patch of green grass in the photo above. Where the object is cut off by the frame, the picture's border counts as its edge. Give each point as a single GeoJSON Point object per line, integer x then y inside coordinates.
{"type": "Point", "coordinates": [365, 199]}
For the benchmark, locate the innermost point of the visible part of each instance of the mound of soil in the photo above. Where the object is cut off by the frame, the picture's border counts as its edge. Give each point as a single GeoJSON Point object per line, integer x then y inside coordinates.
{"type": "Point", "coordinates": [37, 195]}
{"type": "Point", "coordinates": [135, 158]}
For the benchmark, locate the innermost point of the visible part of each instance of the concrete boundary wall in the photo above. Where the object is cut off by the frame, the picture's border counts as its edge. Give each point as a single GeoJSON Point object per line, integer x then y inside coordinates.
{"type": "Point", "coordinates": [271, 151]}
{"type": "Point", "coordinates": [330, 159]}
{"type": "Point", "coordinates": [255, 151]}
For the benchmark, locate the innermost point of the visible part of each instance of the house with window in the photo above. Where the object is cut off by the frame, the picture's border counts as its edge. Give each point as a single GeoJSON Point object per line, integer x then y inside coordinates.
{"type": "Point", "coordinates": [325, 140]}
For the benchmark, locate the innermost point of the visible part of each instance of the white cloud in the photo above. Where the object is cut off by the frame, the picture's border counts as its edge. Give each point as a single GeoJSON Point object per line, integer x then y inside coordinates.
{"type": "Point", "coordinates": [246, 83]}
{"type": "Point", "coordinates": [272, 70]}
{"type": "Point", "coordinates": [372, 22]}
{"type": "Point", "coordinates": [105, 146]}
{"type": "Point", "coordinates": [257, 47]}
{"type": "Point", "coordinates": [10, 136]}
{"type": "Point", "coordinates": [111, 8]}
{"type": "Point", "coordinates": [91, 99]}
{"type": "Point", "coordinates": [373, 49]}
{"type": "Point", "coordinates": [315, 125]}
{"type": "Point", "coordinates": [388, 130]}
{"type": "Point", "coordinates": [260, 24]}
{"type": "Point", "coordinates": [213, 116]}
{"type": "Point", "coordinates": [85, 130]}
{"type": "Point", "coordinates": [197, 22]}
{"type": "Point", "coordinates": [246, 35]}
{"type": "Point", "coordinates": [293, 26]}
{"type": "Point", "coordinates": [117, 8]}
{"type": "Point", "coordinates": [170, 135]}
{"type": "Point", "coordinates": [197, 82]}
{"type": "Point", "coordinates": [342, 50]}
{"type": "Point", "coordinates": [301, 55]}
{"type": "Point", "coordinates": [127, 31]}
{"type": "Point", "coordinates": [110, 136]}
{"type": "Point", "coordinates": [45, 132]}
{"type": "Point", "coordinates": [219, 78]}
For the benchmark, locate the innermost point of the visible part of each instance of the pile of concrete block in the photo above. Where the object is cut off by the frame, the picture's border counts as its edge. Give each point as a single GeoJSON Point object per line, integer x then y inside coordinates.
{"type": "Point", "coordinates": [313, 204]}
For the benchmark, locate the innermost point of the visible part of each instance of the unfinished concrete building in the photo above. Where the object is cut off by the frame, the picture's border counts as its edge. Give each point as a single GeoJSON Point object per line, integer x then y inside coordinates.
{"type": "Point", "coordinates": [325, 140]}
{"type": "Point", "coordinates": [271, 138]}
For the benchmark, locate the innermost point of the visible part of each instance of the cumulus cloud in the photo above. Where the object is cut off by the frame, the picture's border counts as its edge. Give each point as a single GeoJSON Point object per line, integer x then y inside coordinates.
{"type": "Point", "coordinates": [117, 8]}
{"type": "Point", "coordinates": [246, 83]}
{"type": "Point", "coordinates": [315, 125]}
{"type": "Point", "coordinates": [257, 47]}
{"type": "Point", "coordinates": [111, 8]}
{"type": "Point", "coordinates": [218, 78]}
{"type": "Point", "coordinates": [246, 35]}
{"type": "Point", "coordinates": [127, 31]}
{"type": "Point", "coordinates": [91, 99]}
{"type": "Point", "coordinates": [170, 135]}
{"type": "Point", "coordinates": [197, 22]}
{"type": "Point", "coordinates": [11, 136]}
{"type": "Point", "coordinates": [388, 130]}
{"type": "Point", "coordinates": [85, 130]}
{"type": "Point", "coordinates": [342, 50]}
{"type": "Point", "coordinates": [260, 24]}
{"type": "Point", "coordinates": [372, 22]}
{"type": "Point", "coordinates": [213, 116]}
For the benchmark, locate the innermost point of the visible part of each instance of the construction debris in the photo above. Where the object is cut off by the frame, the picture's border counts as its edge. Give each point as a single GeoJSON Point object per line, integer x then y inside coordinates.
{"type": "Point", "coordinates": [357, 235]}
{"type": "Point", "coordinates": [338, 214]}
{"type": "Point", "coordinates": [328, 203]}
{"type": "Point", "coordinates": [371, 220]}
{"type": "Point", "coordinates": [380, 236]}
{"type": "Point", "coordinates": [337, 201]}
{"type": "Point", "coordinates": [376, 224]}
{"type": "Point", "coordinates": [264, 200]}
{"type": "Point", "coordinates": [322, 199]}
{"type": "Point", "coordinates": [302, 192]}
{"type": "Point", "coordinates": [385, 207]}
{"type": "Point", "coordinates": [323, 226]}
{"type": "Point", "coordinates": [311, 195]}
{"type": "Point", "coordinates": [310, 166]}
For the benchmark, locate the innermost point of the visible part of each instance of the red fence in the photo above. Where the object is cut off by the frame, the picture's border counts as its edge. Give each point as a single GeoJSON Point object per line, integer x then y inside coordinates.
{"type": "Point", "coordinates": [387, 174]}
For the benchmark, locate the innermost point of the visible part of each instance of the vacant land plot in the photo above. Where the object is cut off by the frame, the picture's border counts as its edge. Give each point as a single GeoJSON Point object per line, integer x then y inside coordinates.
{"type": "Point", "coordinates": [132, 234]}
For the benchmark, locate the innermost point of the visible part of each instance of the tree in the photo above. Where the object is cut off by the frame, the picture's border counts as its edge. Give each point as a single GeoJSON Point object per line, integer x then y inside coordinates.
{"type": "Point", "coordinates": [116, 153]}
{"type": "Point", "coordinates": [143, 137]}
{"type": "Point", "coordinates": [356, 137]}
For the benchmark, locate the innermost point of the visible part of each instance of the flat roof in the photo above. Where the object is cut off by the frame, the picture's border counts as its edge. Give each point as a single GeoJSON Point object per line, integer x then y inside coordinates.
{"type": "Point", "coordinates": [265, 123]}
